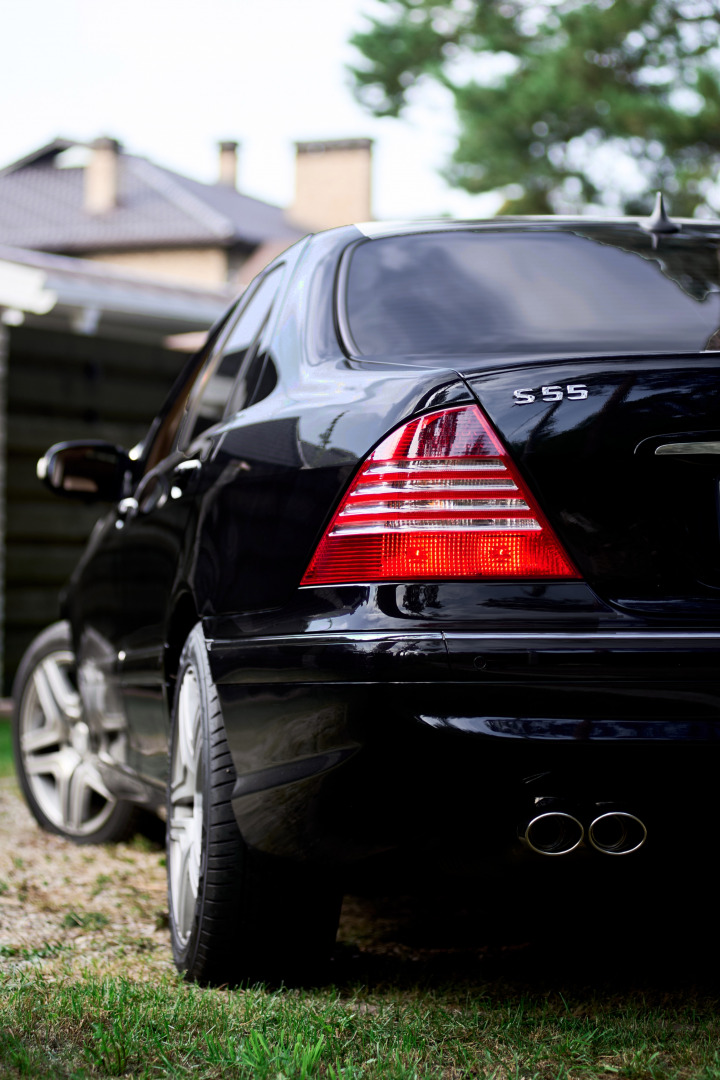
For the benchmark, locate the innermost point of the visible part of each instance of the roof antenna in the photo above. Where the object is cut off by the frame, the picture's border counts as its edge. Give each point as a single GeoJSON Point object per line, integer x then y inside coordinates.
{"type": "Point", "coordinates": [659, 222]}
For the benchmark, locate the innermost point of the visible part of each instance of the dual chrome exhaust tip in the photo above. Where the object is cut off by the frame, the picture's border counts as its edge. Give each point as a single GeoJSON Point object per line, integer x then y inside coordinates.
{"type": "Point", "coordinates": [554, 831]}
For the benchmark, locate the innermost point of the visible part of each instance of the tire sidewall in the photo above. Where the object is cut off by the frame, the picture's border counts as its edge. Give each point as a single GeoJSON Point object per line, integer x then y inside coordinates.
{"type": "Point", "coordinates": [256, 917]}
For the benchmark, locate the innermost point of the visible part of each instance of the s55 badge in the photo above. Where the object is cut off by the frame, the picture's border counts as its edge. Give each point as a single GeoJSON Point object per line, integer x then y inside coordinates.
{"type": "Point", "coordinates": [573, 392]}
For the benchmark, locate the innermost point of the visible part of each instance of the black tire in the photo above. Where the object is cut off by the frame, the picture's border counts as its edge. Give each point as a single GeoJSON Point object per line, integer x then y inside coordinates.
{"type": "Point", "coordinates": [249, 918]}
{"type": "Point", "coordinates": [66, 795]}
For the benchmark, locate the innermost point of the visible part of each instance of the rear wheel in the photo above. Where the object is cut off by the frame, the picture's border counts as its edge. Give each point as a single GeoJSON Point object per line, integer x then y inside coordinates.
{"type": "Point", "coordinates": [234, 917]}
{"type": "Point", "coordinates": [54, 752]}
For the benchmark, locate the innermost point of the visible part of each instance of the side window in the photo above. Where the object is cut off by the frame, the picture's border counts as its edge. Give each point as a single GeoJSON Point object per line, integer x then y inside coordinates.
{"type": "Point", "coordinates": [216, 384]}
{"type": "Point", "coordinates": [161, 436]}
{"type": "Point", "coordinates": [257, 379]}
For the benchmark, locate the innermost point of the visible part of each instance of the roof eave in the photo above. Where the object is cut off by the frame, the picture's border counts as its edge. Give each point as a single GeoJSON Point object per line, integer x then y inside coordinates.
{"type": "Point", "coordinates": [55, 292]}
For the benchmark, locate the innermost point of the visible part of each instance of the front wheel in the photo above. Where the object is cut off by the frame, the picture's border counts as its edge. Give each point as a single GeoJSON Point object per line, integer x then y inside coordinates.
{"type": "Point", "coordinates": [54, 752]}
{"type": "Point", "coordinates": [234, 917]}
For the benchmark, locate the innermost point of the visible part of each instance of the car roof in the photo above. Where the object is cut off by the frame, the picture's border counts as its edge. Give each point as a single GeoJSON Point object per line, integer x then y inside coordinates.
{"type": "Point", "coordinates": [376, 229]}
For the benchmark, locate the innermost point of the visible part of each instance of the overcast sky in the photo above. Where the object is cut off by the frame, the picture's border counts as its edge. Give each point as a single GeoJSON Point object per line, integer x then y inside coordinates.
{"type": "Point", "coordinates": [170, 78]}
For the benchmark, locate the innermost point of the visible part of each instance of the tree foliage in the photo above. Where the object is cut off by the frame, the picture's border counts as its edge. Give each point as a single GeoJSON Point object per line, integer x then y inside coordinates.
{"type": "Point", "coordinates": [561, 103]}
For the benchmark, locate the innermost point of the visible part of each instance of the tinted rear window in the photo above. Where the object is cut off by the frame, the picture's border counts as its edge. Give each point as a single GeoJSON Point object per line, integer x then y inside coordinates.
{"type": "Point", "coordinates": [499, 292]}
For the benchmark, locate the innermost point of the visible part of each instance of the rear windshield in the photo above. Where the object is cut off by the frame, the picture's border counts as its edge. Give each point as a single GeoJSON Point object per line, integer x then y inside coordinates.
{"type": "Point", "coordinates": [499, 292]}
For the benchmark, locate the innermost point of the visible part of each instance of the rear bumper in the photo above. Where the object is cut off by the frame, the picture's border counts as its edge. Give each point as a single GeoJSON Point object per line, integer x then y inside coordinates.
{"type": "Point", "coordinates": [349, 745]}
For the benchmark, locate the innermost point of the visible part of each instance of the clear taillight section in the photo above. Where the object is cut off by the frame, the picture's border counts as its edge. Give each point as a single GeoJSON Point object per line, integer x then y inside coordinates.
{"type": "Point", "coordinates": [438, 499]}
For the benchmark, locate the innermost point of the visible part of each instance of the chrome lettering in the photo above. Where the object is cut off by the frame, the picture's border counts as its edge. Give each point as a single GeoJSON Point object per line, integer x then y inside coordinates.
{"type": "Point", "coordinates": [573, 392]}
{"type": "Point", "coordinates": [523, 397]}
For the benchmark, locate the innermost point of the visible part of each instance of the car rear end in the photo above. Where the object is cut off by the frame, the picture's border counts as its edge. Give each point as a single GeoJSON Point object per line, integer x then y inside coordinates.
{"type": "Point", "coordinates": [504, 646]}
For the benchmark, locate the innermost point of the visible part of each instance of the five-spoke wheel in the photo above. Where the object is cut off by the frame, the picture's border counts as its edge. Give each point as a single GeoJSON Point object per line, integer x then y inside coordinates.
{"type": "Point", "coordinates": [54, 752]}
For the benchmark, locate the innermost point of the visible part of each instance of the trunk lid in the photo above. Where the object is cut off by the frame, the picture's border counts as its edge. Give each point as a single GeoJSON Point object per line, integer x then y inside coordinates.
{"type": "Point", "coordinates": [619, 454]}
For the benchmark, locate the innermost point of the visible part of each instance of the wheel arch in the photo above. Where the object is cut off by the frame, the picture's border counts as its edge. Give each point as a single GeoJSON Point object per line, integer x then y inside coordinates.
{"type": "Point", "coordinates": [183, 618]}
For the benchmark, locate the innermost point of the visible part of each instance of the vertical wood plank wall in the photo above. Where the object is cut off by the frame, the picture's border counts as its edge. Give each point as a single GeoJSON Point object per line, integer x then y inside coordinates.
{"type": "Point", "coordinates": [61, 386]}
{"type": "Point", "coordinates": [4, 346]}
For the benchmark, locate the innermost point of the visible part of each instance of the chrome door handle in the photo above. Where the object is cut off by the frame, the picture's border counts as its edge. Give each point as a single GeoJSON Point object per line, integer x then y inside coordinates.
{"type": "Point", "coordinates": [682, 449]}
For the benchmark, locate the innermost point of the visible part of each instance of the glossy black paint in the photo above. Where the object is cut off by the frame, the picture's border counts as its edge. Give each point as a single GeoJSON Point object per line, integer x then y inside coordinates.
{"type": "Point", "coordinates": [369, 719]}
{"type": "Point", "coordinates": [639, 527]}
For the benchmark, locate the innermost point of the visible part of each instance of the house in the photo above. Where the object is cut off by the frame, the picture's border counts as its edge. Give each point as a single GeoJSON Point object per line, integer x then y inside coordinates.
{"type": "Point", "coordinates": [98, 202]}
{"type": "Point", "coordinates": [105, 258]}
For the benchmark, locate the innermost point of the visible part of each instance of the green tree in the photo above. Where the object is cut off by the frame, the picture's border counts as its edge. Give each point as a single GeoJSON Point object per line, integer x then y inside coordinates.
{"type": "Point", "coordinates": [561, 103]}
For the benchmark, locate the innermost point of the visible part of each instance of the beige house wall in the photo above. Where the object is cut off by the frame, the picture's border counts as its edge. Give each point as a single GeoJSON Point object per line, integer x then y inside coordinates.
{"type": "Point", "coordinates": [199, 266]}
{"type": "Point", "coordinates": [332, 186]}
{"type": "Point", "coordinates": [259, 259]}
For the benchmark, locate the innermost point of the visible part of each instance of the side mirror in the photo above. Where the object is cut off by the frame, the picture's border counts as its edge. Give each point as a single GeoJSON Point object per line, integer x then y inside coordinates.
{"type": "Point", "coordinates": [93, 470]}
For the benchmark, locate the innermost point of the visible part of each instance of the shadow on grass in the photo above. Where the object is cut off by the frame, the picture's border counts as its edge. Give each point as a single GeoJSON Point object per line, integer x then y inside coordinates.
{"type": "Point", "coordinates": [584, 945]}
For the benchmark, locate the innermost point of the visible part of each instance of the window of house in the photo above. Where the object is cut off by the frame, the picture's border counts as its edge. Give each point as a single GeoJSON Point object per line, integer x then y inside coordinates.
{"type": "Point", "coordinates": [230, 371]}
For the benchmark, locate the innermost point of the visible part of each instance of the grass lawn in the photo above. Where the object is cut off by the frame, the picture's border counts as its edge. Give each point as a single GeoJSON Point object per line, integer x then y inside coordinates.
{"type": "Point", "coordinates": [91, 1027]}
{"type": "Point", "coordinates": [6, 755]}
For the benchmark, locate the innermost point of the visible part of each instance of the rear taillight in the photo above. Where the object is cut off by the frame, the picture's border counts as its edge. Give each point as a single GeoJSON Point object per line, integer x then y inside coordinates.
{"type": "Point", "coordinates": [438, 499]}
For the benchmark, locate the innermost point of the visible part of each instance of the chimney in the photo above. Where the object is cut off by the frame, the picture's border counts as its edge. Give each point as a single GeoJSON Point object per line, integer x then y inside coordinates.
{"type": "Point", "coordinates": [332, 183]}
{"type": "Point", "coordinates": [227, 175]}
{"type": "Point", "coordinates": [102, 176]}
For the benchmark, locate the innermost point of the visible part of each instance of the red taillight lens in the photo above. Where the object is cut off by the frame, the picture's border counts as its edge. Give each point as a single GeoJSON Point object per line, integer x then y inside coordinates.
{"type": "Point", "coordinates": [438, 499]}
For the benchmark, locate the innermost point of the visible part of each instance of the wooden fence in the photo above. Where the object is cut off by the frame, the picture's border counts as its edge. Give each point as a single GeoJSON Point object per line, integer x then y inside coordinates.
{"type": "Point", "coordinates": [62, 386]}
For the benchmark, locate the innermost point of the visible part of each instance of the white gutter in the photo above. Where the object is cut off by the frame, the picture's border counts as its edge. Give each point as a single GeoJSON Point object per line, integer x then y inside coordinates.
{"type": "Point", "coordinates": [87, 297]}
{"type": "Point", "coordinates": [22, 288]}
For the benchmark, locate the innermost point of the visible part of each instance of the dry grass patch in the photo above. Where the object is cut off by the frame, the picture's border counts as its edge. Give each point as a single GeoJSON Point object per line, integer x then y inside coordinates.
{"type": "Point", "coordinates": [72, 909]}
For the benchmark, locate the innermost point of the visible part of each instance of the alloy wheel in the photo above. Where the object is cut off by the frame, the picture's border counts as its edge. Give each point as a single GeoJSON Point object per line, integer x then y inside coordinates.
{"type": "Point", "coordinates": [56, 751]}
{"type": "Point", "coordinates": [185, 824]}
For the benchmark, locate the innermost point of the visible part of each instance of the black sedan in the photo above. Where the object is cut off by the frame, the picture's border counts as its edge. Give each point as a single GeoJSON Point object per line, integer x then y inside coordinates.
{"type": "Point", "coordinates": [419, 562]}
